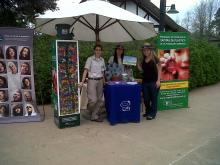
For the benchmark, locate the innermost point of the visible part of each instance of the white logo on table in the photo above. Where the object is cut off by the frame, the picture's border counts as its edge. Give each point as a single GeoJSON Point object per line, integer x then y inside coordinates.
{"type": "Point", "coordinates": [125, 105]}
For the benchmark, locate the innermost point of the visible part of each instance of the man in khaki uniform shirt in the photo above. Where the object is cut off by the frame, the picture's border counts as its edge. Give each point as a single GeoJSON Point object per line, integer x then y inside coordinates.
{"type": "Point", "coordinates": [95, 68]}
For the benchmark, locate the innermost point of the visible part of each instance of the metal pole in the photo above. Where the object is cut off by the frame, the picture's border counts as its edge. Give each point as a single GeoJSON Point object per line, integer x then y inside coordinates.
{"type": "Point", "coordinates": [97, 29]}
{"type": "Point", "coordinates": [162, 15]}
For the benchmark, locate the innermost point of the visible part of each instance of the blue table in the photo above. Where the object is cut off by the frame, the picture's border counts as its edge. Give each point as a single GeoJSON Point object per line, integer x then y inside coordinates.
{"type": "Point", "coordinates": [122, 102]}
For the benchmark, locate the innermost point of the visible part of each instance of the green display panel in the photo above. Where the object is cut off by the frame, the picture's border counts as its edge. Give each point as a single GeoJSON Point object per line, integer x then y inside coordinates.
{"type": "Point", "coordinates": [173, 53]}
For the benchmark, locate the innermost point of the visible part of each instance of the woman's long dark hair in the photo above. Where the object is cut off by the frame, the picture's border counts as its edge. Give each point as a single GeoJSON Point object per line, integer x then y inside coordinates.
{"type": "Point", "coordinates": [7, 52]}
{"type": "Point", "coordinates": [28, 55]}
{"type": "Point", "coordinates": [4, 66]}
{"type": "Point", "coordinates": [24, 85]}
{"type": "Point", "coordinates": [1, 53]}
{"type": "Point", "coordinates": [115, 60]}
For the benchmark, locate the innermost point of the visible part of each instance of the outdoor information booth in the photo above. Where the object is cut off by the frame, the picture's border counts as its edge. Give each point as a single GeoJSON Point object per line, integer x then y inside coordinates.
{"type": "Point", "coordinates": [123, 98]}
{"type": "Point", "coordinates": [122, 102]}
{"type": "Point", "coordinates": [65, 78]}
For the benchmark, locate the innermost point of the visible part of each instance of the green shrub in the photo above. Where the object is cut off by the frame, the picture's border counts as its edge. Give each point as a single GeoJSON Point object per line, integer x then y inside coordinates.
{"type": "Point", "coordinates": [204, 62]}
{"type": "Point", "coordinates": [42, 68]}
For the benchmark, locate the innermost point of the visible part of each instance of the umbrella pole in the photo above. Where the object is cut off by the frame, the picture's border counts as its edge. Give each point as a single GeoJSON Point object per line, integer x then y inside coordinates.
{"type": "Point", "coordinates": [97, 40]}
{"type": "Point", "coordinates": [97, 30]}
{"type": "Point", "coordinates": [97, 37]}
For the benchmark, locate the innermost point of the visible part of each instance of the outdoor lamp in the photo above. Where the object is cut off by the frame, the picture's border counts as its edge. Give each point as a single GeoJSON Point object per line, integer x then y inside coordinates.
{"type": "Point", "coordinates": [172, 9]}
{"type": "Point", "coordinates": [163, 11]}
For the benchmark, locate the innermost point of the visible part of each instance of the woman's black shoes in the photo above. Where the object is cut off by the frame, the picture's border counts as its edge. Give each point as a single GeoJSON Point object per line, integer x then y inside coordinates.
{"type": "Point", "coordinates": [97, 120]}
{"type": "Point", "coordinates": [150, 118]}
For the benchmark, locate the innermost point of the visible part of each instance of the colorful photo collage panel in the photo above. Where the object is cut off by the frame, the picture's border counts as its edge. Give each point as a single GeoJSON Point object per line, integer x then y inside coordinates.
{"type": "Point", "coordinates": [68, 77]}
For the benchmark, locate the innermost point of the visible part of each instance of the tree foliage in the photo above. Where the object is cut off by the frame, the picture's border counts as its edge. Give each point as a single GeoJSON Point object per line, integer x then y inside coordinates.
{"type": "Point", "coordinates": [200, 20]}
{"type": "Point", "coordinates": [20, 12]}
{"type": "Point", "coordinates": [42, 67]}
{"type": "Point", "coordinates": [216, 23]}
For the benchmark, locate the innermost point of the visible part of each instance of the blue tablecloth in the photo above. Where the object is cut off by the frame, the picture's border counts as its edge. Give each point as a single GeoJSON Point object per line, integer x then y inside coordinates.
{"type": "Point", "coordinates": [122, 102]}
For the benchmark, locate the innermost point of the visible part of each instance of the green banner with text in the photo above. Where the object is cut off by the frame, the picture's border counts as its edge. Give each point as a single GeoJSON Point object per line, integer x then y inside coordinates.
{"type": "Point", "coordinates": [173, 52]}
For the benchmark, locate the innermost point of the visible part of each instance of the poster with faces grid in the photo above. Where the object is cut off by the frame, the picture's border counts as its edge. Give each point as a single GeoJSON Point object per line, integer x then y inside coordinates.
{"type": "Point", "coordinates": [17, 92]}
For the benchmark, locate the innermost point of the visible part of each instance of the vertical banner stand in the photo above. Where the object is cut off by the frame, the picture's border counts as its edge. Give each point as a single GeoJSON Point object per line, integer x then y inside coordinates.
{"type": "Point", "coordinates": [17, 89]}
{"type": "Point", "coordinates": [65, 79]}
{"type": "Point", "coordinates": [174, 56]}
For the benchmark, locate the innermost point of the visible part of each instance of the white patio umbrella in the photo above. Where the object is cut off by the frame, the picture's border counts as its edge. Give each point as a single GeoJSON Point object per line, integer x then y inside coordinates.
{"type": "Point", "coordinates": [97, 20]}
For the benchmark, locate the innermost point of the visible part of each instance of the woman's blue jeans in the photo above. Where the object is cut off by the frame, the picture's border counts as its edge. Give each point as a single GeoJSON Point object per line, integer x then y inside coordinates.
{"type": "Point", "coordinates": [150, 93]}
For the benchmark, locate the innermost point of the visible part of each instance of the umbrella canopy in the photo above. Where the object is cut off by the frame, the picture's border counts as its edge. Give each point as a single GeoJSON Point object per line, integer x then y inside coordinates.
{"type": "Point", "coordinates": [97, 20]}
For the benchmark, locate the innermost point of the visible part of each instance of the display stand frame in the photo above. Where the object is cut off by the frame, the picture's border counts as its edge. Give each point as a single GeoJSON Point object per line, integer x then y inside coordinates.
{"type": "Point", "coordinates": [65, 79]}
{"type": "Point", "coordinates": [19, 102]}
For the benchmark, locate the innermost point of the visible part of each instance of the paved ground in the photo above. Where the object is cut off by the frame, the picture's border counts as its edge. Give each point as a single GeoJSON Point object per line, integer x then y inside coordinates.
{"type": "Point", "coordinates": [177, 137]}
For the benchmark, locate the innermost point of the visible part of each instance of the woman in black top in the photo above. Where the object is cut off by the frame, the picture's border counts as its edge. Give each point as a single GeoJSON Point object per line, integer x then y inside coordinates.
{"type": "Point", "coordinates": [151, 69]}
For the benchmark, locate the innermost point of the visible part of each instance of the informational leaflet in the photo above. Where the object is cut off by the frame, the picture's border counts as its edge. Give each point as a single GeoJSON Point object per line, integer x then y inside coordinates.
{"type": "Point", "coordinates": [130, 60]}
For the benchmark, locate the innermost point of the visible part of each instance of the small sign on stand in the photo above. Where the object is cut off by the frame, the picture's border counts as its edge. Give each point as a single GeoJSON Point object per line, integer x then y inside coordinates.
{"type": "Point", "coordinates": [130, 60]}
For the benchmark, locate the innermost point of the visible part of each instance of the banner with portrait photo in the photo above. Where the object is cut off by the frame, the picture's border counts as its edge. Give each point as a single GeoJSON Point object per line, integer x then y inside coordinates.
{"type": "Point", "coordinates": [174, 57]}
{"type": "Point", "coordinates": [17, 92]}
